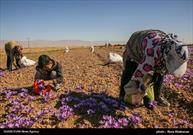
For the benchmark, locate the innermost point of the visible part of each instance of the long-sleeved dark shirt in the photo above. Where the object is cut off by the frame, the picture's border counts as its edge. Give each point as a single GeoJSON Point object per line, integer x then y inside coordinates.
{"type": "Point", "coordinates": [45, 75]}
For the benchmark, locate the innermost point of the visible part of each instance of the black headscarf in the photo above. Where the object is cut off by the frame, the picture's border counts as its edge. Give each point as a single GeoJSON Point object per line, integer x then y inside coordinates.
{"type": "Point", "coordinates": [42, 61]}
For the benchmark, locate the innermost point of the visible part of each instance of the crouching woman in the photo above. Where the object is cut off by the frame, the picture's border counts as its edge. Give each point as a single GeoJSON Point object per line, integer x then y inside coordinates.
{"type": "Point", "coordinates": [151, 51]}
{"type": "Point", "coordinates": [50, 71]}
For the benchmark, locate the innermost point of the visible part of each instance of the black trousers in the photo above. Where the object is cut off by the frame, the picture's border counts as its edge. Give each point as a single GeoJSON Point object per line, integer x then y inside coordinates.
{"type": "Point", "coordinates": [130, 68]}
{"type": "Point", "coordinates": [17, 62]}
{"type": "Point", "coordinates": [9, 62]}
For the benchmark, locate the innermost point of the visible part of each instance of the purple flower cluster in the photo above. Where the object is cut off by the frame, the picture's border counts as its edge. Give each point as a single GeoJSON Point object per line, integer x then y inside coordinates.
{"type": "Point", "coordinates": [135, 118]}
{"type": "Point", "coordinates": [17, 108]}
{"type": "Point", "coordinates": [79, 88]}
{"type": "Point", "coordinates": [2, 73]}
{"type": "Point", "coordinates": [45, 97]}
{"type": "Point", "coordinates": [10, 93]}
{"type": "Point", "coordinates": [190, 61]}
{"type": "Point", "coordinates": [152, 105]}
{"type": "Point", "coordinates": [40, 85]}
{"type": "Point", "coordinates": [96, 103]}
{"type": "Point", "coordinates": [178, 122]}
{"type": "Point", "coordinates": [87, 105]}
{"type": "Point", "coordinates": [180, 83]}
{"type": "Point", "coordinates": [64, 112]}
{"type": "Point", "coordinates": [23, 95]}
{"type": "Point", "coordinates": [41, 113]}
{"type": "Point", "coordinates": [182, 123]}
{"type": "Point", "coordinates": [28, 110]}
{"type": "Point", "coordinates": [190, 50]}
{"type": "Point", "coordinates": [18, 116]}
{"type": "Point", "coordinates": [112, 122]}
{"type": "Point", "coordinates": [93, 103]}
{"type": "Point", "coordinates": [15, 119]}
{"type": "Point", "coordinates": [170, 114]}
{"type": "Point", "coordinates": [70, 99]}
{"type": "Point", "coordinates": [14, 102]}
{"type": "Point", "coordinates": [107, 100]}
{"type": "Point", "coordinates": [18, 122]}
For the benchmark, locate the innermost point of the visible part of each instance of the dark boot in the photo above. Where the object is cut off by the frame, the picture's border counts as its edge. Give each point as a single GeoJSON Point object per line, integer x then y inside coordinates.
{"type": "Point", "coordinates": [162, 101]}
{"type": "Point", "coordinates": [158, 80]}
{"type": "Point", "coordinates": [147, 102]}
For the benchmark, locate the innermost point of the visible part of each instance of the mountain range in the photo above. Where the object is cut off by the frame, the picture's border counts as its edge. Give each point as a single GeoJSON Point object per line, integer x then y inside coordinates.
{"type": "Point", "coordinates": [61, 43]}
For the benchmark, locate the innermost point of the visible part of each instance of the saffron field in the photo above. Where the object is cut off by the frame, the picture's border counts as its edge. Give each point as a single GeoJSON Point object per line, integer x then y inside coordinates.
{"type": "Point", "coordinates": [89, 96]}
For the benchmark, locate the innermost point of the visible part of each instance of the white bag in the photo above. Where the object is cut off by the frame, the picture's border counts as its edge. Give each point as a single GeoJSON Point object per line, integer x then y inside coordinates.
{"type": "Point", "coordinates": [24, 62]}
{"type": "Point", "coordinates": [113, 57]}
{"type": "Point", "coordinates": [135, 97]}
{"type": "Point", "coordinates": [92, 49]}
{"type": "Point", "coordinates": [66, 50]}
{"type": "Point", "coordinates": [132, 95]}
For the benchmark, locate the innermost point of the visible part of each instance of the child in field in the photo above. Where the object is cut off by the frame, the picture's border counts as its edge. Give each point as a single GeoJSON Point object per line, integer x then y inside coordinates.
{"type": "Point", "coordinates": [50, 71]}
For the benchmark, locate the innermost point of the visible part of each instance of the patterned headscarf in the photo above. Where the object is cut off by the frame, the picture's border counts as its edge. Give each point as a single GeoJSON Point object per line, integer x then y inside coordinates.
{"type": "Point", "coordinates": [172, 40]}
{"type": "Point", "coordinates": [175, 54]}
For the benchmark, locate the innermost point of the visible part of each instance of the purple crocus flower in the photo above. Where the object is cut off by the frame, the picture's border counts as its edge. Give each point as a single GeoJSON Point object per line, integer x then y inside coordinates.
{"type": "Point", "coordinates": [116, 125]}
{"type": "Point", "coordinates": [46, 96]}
{"type": "Point", "coordinates": [181, 122]}
{"type": "Point", "coordinates": [156, 126]}
{"type": "Point", "coordinates": [182, 83]}
{"type": "Point", "coordinates": [41, 85]}
{"type": "Point", "coordinates": [14, 102]}
{"type": "Point", "coordinates": [16, 125]}
{"type": "Point", "coordinates": [2, 125]}
{"type": "Point", "coordinates": [10, 116]}
{"type": "Point", "coordinates": [123, 121]}
{"type": "Point", "coordinates": [68, 99]}
{"type": "Point", "coordinates": [170, 114]}
{"type": "Point", "coordinates": [8, 94]}
{"type": "Point", "coordinates": [47, 110]}
{"type": "Point", "coordinates": [39, 114]}
{"type": "Point", "coordinates": [29, 110]}
{"type": "Point", "coordinates": [79, 88]}
{"type": "Point", "coordinates": [23, 95]}
{"type": "Point", "coordinates": [113, 122]}
{"type": "Point", "coordinates": [135, 118]}
{"type": "Point", "coordinates": [24, 90]}
{"type": "Point", "coordinates": [64, 112]}
{"type": "Point", "coordinates": [16, 109]}
{"type": "Point", "coordinates": [17, 118]}
{"type": "Point", "coordinates": [30, 98]}
{"type": "Point", "coordinates": [152, 105]}
{"type": "Point", "coordinates": [10, 125]}
{"type": "Point", "coordinates": [2, 73]}
{"type": "Point", "coordinates": [29, 123]}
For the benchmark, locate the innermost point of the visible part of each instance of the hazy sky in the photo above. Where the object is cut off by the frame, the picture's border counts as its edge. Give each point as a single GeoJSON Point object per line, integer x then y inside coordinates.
{"type": "Point", "coordinates": [93, 19]}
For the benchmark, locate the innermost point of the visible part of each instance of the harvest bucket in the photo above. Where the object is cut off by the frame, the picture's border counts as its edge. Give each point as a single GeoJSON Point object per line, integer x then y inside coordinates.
{"type": "Point", "coordinates": [39, 87]}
